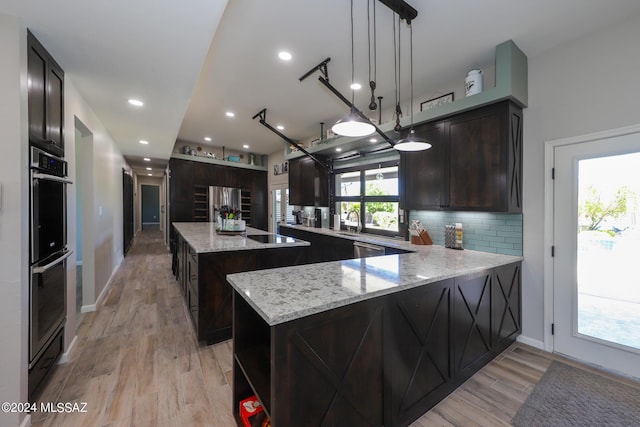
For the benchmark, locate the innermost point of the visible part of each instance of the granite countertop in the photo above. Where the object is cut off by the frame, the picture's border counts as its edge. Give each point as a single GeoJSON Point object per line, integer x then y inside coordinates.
{"type": "Point", "coordinates": [202, 237]}
{"type": "Point", "coordinates": [284, 294]}
{"type": "Point", "coordinates": [360, 237]}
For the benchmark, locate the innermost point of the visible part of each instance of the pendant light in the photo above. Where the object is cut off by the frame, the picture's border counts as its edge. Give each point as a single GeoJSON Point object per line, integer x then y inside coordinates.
{"type": "Point", "coordinates": [353, 124]}
{"type": "Point", "coordinates": [411, 142]}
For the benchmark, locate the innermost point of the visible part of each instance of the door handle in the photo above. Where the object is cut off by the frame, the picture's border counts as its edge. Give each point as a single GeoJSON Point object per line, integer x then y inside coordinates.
{"type": "Point", "coordinates": [40, 270]}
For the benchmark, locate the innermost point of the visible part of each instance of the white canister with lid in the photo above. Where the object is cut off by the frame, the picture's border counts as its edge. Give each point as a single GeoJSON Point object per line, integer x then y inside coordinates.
{"type": "Point", "coordinates": [473, 82]}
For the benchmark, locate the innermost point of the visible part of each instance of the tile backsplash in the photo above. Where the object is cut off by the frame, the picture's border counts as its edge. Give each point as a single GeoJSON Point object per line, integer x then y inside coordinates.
{"type": "Point", "coordinates": [481, 231]}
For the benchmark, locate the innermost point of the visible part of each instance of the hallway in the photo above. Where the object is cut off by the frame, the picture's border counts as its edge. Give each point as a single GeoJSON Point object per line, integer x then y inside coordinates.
{"type": "Point", "coordinates": [137, 363]}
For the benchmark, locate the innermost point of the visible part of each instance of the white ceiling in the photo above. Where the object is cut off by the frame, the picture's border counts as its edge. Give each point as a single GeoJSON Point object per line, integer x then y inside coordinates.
{"type": "Point", "coordinates": [162, 52]}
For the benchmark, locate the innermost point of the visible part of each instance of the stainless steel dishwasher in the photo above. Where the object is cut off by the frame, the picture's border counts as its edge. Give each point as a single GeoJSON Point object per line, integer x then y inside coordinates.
{"type": "Point", "coordinates": [363, 250]}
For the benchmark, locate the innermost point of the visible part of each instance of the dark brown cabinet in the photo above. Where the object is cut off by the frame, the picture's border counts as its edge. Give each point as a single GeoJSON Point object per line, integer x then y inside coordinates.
{"type": "Point", "coordinates": [475, 163]}
{"type": "Point", "coordinates": [424, 173]}
{"type": "Point", "coordinates": [382, 361]}
{"type": "Point", "coordinates": [45, 99]}
{"type": "Point", "coordinates": [308, 183]}
{"type": "Point", "coordinates": [189, 181]}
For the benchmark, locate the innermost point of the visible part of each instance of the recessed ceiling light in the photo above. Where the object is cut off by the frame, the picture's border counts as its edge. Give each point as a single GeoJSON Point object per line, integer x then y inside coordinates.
{"type": "Point", "coordinates": [150, 174]}
{"type": "Point", "coordinates": [142, 141]}
{"type": "Point", "coordinates": [284, 55]}
{"type": "Point", "coordinates": [206, 138]}
{"type": "Point", "coordinates": [338, 149]}
{"type": "Point", "coordinates": [373, 140]}
{"type": "Point", "coordinates": [356, 86]}
{"type": "Point", "coordinates": [136, 102]}
{"type": "Point", "coordinates": [148, 169]}
{"type": "Point", "coordinates": [280, 127]}
{"type": "Point", "coordinates": [245, 146]}
{"type": "Point", "coordinates": [230, 114]}
{"type": "Point", "coordinates": [146, 159]}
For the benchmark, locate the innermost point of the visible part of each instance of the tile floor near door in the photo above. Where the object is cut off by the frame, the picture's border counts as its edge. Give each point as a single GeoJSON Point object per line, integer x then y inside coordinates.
{"type": "Point", "coordinates": [137, 363]}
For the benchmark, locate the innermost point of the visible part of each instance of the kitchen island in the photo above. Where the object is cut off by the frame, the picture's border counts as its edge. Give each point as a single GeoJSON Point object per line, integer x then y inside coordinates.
{"type": "Point", "coordinates": [202, 258]}
{"type": "Point", "coordinates": [372, 341]}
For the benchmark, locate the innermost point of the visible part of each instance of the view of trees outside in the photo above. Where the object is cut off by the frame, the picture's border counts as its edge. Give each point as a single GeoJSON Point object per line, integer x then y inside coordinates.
{"type": "Point", "coordinates": [608, 241]}
{"type": "Point", "coordinates": [382, 215]}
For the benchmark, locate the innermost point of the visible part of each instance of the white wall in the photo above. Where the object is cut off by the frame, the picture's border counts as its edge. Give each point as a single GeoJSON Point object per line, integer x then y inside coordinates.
{"type": "Point", "coordinates": [102, 165]}
{"type": "Point", "coordinates": [580, 87]}
{"type": "Point", "coordinates": [14, 234]}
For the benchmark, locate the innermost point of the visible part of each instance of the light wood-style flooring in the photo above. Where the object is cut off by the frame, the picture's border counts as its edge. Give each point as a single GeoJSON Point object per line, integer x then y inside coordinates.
{"type": "Point", "coordinates": [137, 363]}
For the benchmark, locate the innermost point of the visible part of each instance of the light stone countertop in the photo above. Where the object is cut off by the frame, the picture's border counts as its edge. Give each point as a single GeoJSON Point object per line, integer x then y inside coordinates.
{"type": "Point", "coordinates": [202, 237]}
{"type": "Point", "coordinates": [284, 294]}
{"type": "Point", "coordinates": [360, 237]}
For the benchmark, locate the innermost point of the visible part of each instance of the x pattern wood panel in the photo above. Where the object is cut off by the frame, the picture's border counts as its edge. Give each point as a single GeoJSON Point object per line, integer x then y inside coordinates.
{"type": "Point", "coordinates": [473, 318]}
{"type": "Point", "coordinates": [516, 166]}
{"type": "Point", "coordinates": [429, 346]}
{"type": "Point", "coordinates": [507, 302]}
{"type": "Point", "coordinates": [344, 390]}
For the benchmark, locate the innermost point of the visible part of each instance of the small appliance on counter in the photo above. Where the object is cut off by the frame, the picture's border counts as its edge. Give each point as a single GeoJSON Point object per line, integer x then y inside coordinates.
{"type": "Point", "coordinates": [453, 236]}
{"type": "Point", "coordinates": [318, 218]}
{"type": "Point", "coordinates": [298, 216]}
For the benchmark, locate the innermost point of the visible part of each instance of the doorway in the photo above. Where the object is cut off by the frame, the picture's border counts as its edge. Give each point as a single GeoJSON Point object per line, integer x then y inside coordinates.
{"type": "Point", "coordinates": [596, 280]}
{"type": "Point", "coordinates": [150, 201]}
{"type": "Point", "coordinates": [282, 212]}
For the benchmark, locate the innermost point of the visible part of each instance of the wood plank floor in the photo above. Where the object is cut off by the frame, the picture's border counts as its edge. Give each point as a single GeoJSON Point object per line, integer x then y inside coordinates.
{"type": "Point", "coordinates": [137, 363]}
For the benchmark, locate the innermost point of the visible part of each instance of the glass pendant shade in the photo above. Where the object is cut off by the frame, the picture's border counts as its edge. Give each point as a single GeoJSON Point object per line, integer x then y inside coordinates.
{"type": "Point", "coordinates": [353, 125]}
{"type": "Point", "coordinates": [412, 143]}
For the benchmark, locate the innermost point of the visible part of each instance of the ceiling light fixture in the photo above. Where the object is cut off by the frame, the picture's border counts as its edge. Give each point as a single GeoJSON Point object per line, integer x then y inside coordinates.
{"type": "Point", "coordinates": [136, 102]}
{"type": "Point", "coordinates": [284, 55]}
{"type": "Point", "coordinates": [245, 146]}
{"type": "Point", "coordinates": [207, 138]}
{"type": "Point", "coordinates": [411, 142]}
{"type": "Point", "coordinates": [356, 86]}
{"type": "Point", "coordinates": [353, 124]}
{"type": "Point", "coordinates": [280, 127]}
{"type": "Point", "coordinates": [372, 140]}
{"type": "Point", "coordinates": [146, 159]}
{"type": "Point", "coordinates": [148, 169]}
{"type": "Point", "coordinates": [150, 174]}
{"type": "Point", "coordinates": [143, 142]}
{"type": "Point", "coordinates": [338, 149]}
{"type": "Point", "coordinates": [230, 114]}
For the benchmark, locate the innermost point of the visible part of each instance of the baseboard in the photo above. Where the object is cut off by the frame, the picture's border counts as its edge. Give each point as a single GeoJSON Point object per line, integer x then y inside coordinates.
{"type": "Point", "coordinates": [64, 358]}
{"type": "Point", "coordinates": [530, 341]}
{"type": "Point", "coordinates": [93, 307]}
{"type": "Point", "coordinates": [88, 308]}
{"type": "Point", "coordinates": [26, 422]}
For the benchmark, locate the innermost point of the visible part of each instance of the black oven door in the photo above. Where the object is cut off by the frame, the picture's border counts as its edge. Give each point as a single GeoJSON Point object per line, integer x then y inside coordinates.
{"type": "Point", "coordinates": [48, 295]}
{"type": "Point", "coordinates": [48, 215]}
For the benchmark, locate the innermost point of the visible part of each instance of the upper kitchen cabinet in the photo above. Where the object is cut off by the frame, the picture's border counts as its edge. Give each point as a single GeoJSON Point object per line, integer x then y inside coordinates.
{"type": "Point", "coordinates": [475, 163]}
{"type": "Point", "coordinates": [45, 98]}
{"type": "Point", "coordinates": [423, 172]}
{"type": "Point", "coordinates": [308, 182]}
{"type": "Point", "coordinates": [485, 159]}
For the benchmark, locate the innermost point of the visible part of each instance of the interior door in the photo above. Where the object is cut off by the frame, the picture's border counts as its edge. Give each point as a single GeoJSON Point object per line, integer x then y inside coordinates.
{"type": "Point", "coordinates": [281, 211]}
{"type": "Point", "coordinates": [596, 235]}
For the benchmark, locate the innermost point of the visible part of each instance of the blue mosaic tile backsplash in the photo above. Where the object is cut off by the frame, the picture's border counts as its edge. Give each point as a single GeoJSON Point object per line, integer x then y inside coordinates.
{"type": "Point", "coordinates": [481, 231]}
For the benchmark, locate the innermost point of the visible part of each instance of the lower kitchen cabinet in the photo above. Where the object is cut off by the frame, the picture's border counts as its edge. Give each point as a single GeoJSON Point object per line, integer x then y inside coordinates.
{"type": "Point", "coordinates": [323, 248]}
{"type": "Point", "coordinates": [206, 292]}
{"type": "Point", "coordinates": [383, 361]}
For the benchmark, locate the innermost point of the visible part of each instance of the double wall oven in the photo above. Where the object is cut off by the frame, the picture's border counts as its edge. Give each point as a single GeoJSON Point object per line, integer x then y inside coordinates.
{"type": "Point", "coordinates": [48, 259]}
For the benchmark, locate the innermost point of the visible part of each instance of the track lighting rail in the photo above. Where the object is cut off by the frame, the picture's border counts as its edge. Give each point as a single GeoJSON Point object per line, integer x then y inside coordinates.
{"type": "Point", "coordinates": [262, 114]}
{"type": "Point", "coordinates": [402, 8]}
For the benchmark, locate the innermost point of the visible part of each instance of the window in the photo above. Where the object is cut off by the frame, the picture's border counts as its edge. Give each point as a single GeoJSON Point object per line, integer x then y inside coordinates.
{"type": "Point", "coordinates": [367, 197]}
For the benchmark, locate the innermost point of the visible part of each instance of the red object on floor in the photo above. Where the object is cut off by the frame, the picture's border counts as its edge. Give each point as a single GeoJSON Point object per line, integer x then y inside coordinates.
{"type": "Point", "coordinates": [251, 412]}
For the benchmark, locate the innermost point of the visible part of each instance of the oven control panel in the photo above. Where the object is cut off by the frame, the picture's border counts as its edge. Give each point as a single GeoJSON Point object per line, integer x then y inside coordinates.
{"type": "Point", "coordinates": [47, 163]}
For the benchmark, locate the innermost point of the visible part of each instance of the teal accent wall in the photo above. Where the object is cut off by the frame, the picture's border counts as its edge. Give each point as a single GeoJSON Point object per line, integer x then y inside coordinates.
{"type": "Point", "coordinates": [481, 231]}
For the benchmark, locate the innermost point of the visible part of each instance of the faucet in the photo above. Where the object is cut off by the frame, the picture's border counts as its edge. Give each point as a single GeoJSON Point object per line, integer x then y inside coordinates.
{"type": "Point", "coordinates": [357, 230]}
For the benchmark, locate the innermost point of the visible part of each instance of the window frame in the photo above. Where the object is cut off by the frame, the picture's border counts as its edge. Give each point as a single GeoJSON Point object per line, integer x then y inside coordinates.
{"type": "Point", "coordinates": [362, 199]}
